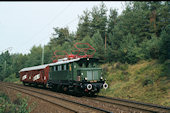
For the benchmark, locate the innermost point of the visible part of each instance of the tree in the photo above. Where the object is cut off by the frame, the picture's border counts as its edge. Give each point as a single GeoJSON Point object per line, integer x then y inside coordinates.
{"type": "Point", "coordinates": [99, 46]}
{"type": "Point", "coordinates": [165, 44]}
{"type": "Point", "coordinates": [130, 53]}
{"type": "Point", "coordinates": [34, 58]}
{"type": "Point", "coordinates": [5, 64]}
{"type": "Point", "coordinates": [99, 20]}
{"type": "Point", "coordinates": [59, 37]}
{"type": "Point", "coordinates": [112, 20]}
{"type": "Point", "coordinates": [84, 26]}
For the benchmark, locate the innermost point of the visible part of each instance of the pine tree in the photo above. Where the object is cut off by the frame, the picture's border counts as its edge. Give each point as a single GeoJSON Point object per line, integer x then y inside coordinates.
{"type": "Point", "coordinates": [99, 20]}
{"type": "Point", "coordinates": [83, 26]}
{"type": "Point", "coordinates": [99, 46]}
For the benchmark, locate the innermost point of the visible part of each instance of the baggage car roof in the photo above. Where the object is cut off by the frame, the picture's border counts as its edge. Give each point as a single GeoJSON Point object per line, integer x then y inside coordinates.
{"type": "Point", "coordinates": [34, 68]}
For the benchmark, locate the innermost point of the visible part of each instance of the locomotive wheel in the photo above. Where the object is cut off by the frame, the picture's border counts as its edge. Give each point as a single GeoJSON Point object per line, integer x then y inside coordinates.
{"type": "Point", "coordinates": [90, 94]}
{"type": "Point", "coordinates": [65, 88]}
{"type": "Point", "coordinates": [44, 86]}
{"type": "Point", "coordinates": [29, 84]}
{"type": "Point", "coordinates": [77, 92]}
{"type": "Point", "coordinates": [59, 88]}
{"type": "Point", "coordinates": [54, 88]}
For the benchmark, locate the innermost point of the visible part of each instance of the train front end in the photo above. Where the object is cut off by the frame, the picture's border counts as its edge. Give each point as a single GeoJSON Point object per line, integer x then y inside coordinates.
{"type": "Point", "coordinates": [90, 76]}
{"type": "Point", "coordinates": [92, 81]}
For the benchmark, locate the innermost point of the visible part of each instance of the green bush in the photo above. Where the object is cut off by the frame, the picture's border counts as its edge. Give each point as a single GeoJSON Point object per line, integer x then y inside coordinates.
{"type": "Point", "coordinates": [166, 69]}
{"type": "Point", "coordinates": [147, 81]}
{"type": "Point", "coordinates": [18, 106]}
{"type": "Point", "coordinates": [124, 66]}
{"type": "Point", "coordinates": [11, 78]}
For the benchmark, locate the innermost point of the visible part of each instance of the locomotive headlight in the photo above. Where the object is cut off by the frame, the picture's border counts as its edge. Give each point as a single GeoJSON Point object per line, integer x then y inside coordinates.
{"type": "Point", "coordinates": [105, 85]}
{"type": "Point", "coordinates": [85, 78]}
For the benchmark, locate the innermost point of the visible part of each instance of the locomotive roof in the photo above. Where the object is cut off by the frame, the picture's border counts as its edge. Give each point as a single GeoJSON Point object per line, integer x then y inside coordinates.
{"type": "Point", "coordinates": [44, 66]}
{"type": "Point", "coordinates": [64, 62]}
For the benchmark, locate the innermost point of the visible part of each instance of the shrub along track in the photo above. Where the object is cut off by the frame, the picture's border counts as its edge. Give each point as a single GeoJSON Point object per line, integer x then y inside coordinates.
{"type": "Point", "coordinates": [64, 104]}
{"type": "Point", "coordinates": [104, 103]}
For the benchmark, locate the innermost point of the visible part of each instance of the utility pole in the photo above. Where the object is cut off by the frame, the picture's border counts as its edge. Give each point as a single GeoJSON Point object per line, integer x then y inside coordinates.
{"type": "Point", "coordinates": [105, 41]}
{"type": "Point", "coordinates": [42, 56]}
{"type": "Point", "coordinates": [105, 47]}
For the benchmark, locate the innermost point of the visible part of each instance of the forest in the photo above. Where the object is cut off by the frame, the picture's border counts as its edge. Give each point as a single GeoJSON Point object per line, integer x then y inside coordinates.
{"type": "Point", "coordinates": [140, 32]}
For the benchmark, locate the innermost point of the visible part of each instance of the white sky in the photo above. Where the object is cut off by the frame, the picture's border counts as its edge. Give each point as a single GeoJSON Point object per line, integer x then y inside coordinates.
{"type": "Point", "coordinates": [24, 24]}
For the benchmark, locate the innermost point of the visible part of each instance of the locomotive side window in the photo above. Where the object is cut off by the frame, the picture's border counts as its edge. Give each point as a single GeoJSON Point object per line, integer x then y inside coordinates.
{"type": "Point", "coordinates": [54, 68]}
{"type": "Point", "coordinates": [59, 68]}
{"type": "Point", "coordinates": [80, 64]}
{"type": "Point", "coordinates": [87, 64]}
{"type": "Point", "coordinates": [51, 68]}
{"type": "Point", "coordinates": [65, 67]}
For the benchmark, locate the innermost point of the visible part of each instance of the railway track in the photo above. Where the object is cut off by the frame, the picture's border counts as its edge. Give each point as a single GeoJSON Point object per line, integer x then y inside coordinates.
{"type": "Point", "coordinates": [72, 106]}
{"type": "Point", "coordinates": [133, 104]}
{"type": "Point", "coordinates": [105, 104]}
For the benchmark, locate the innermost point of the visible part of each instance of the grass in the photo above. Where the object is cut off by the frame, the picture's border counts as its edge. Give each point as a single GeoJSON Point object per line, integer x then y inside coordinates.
{"type": "Point", "coordinates": [146, 81]}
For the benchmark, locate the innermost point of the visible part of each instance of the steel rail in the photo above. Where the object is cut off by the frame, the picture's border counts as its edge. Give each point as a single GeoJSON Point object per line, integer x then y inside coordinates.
{"type": "Point", "coordinates": [134, 102]}
{"type": "Point", "coordinates": [70, 110]}
{"type": "Point", "coordinates": [99, 109]}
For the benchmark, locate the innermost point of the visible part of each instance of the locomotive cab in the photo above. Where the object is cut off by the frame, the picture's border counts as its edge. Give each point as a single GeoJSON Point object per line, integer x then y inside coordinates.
{"type": "Point", "coordinates": [89, 75]}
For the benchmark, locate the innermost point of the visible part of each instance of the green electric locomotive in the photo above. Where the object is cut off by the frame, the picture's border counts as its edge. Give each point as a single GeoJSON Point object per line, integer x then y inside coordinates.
{"type": "Point", "coordinates": [74, 73]}
{"type": "Point", "coordinates": [81, 75]}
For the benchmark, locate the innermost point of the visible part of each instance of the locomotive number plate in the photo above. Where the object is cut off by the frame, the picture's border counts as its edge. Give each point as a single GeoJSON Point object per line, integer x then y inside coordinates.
{"type": "Point", "coordinates": [93, 81]}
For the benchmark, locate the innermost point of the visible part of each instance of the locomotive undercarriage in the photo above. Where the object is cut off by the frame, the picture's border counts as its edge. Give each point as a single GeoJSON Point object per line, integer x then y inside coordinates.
{"type": "Point", "coordinates": [77, 88]}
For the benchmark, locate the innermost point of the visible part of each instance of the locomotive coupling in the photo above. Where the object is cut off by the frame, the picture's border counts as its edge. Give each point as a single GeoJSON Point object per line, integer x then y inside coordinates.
{"type": "Point", "coordinates": [105, 85]}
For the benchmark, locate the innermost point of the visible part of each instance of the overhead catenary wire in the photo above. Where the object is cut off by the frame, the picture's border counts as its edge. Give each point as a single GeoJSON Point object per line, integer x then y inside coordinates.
{"type": "Point", "coordinates": [48, 35]}
{"type": "Point", "coordinates": [49, 23]}
{"type": "Point", "coordinates": [64, 26]}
